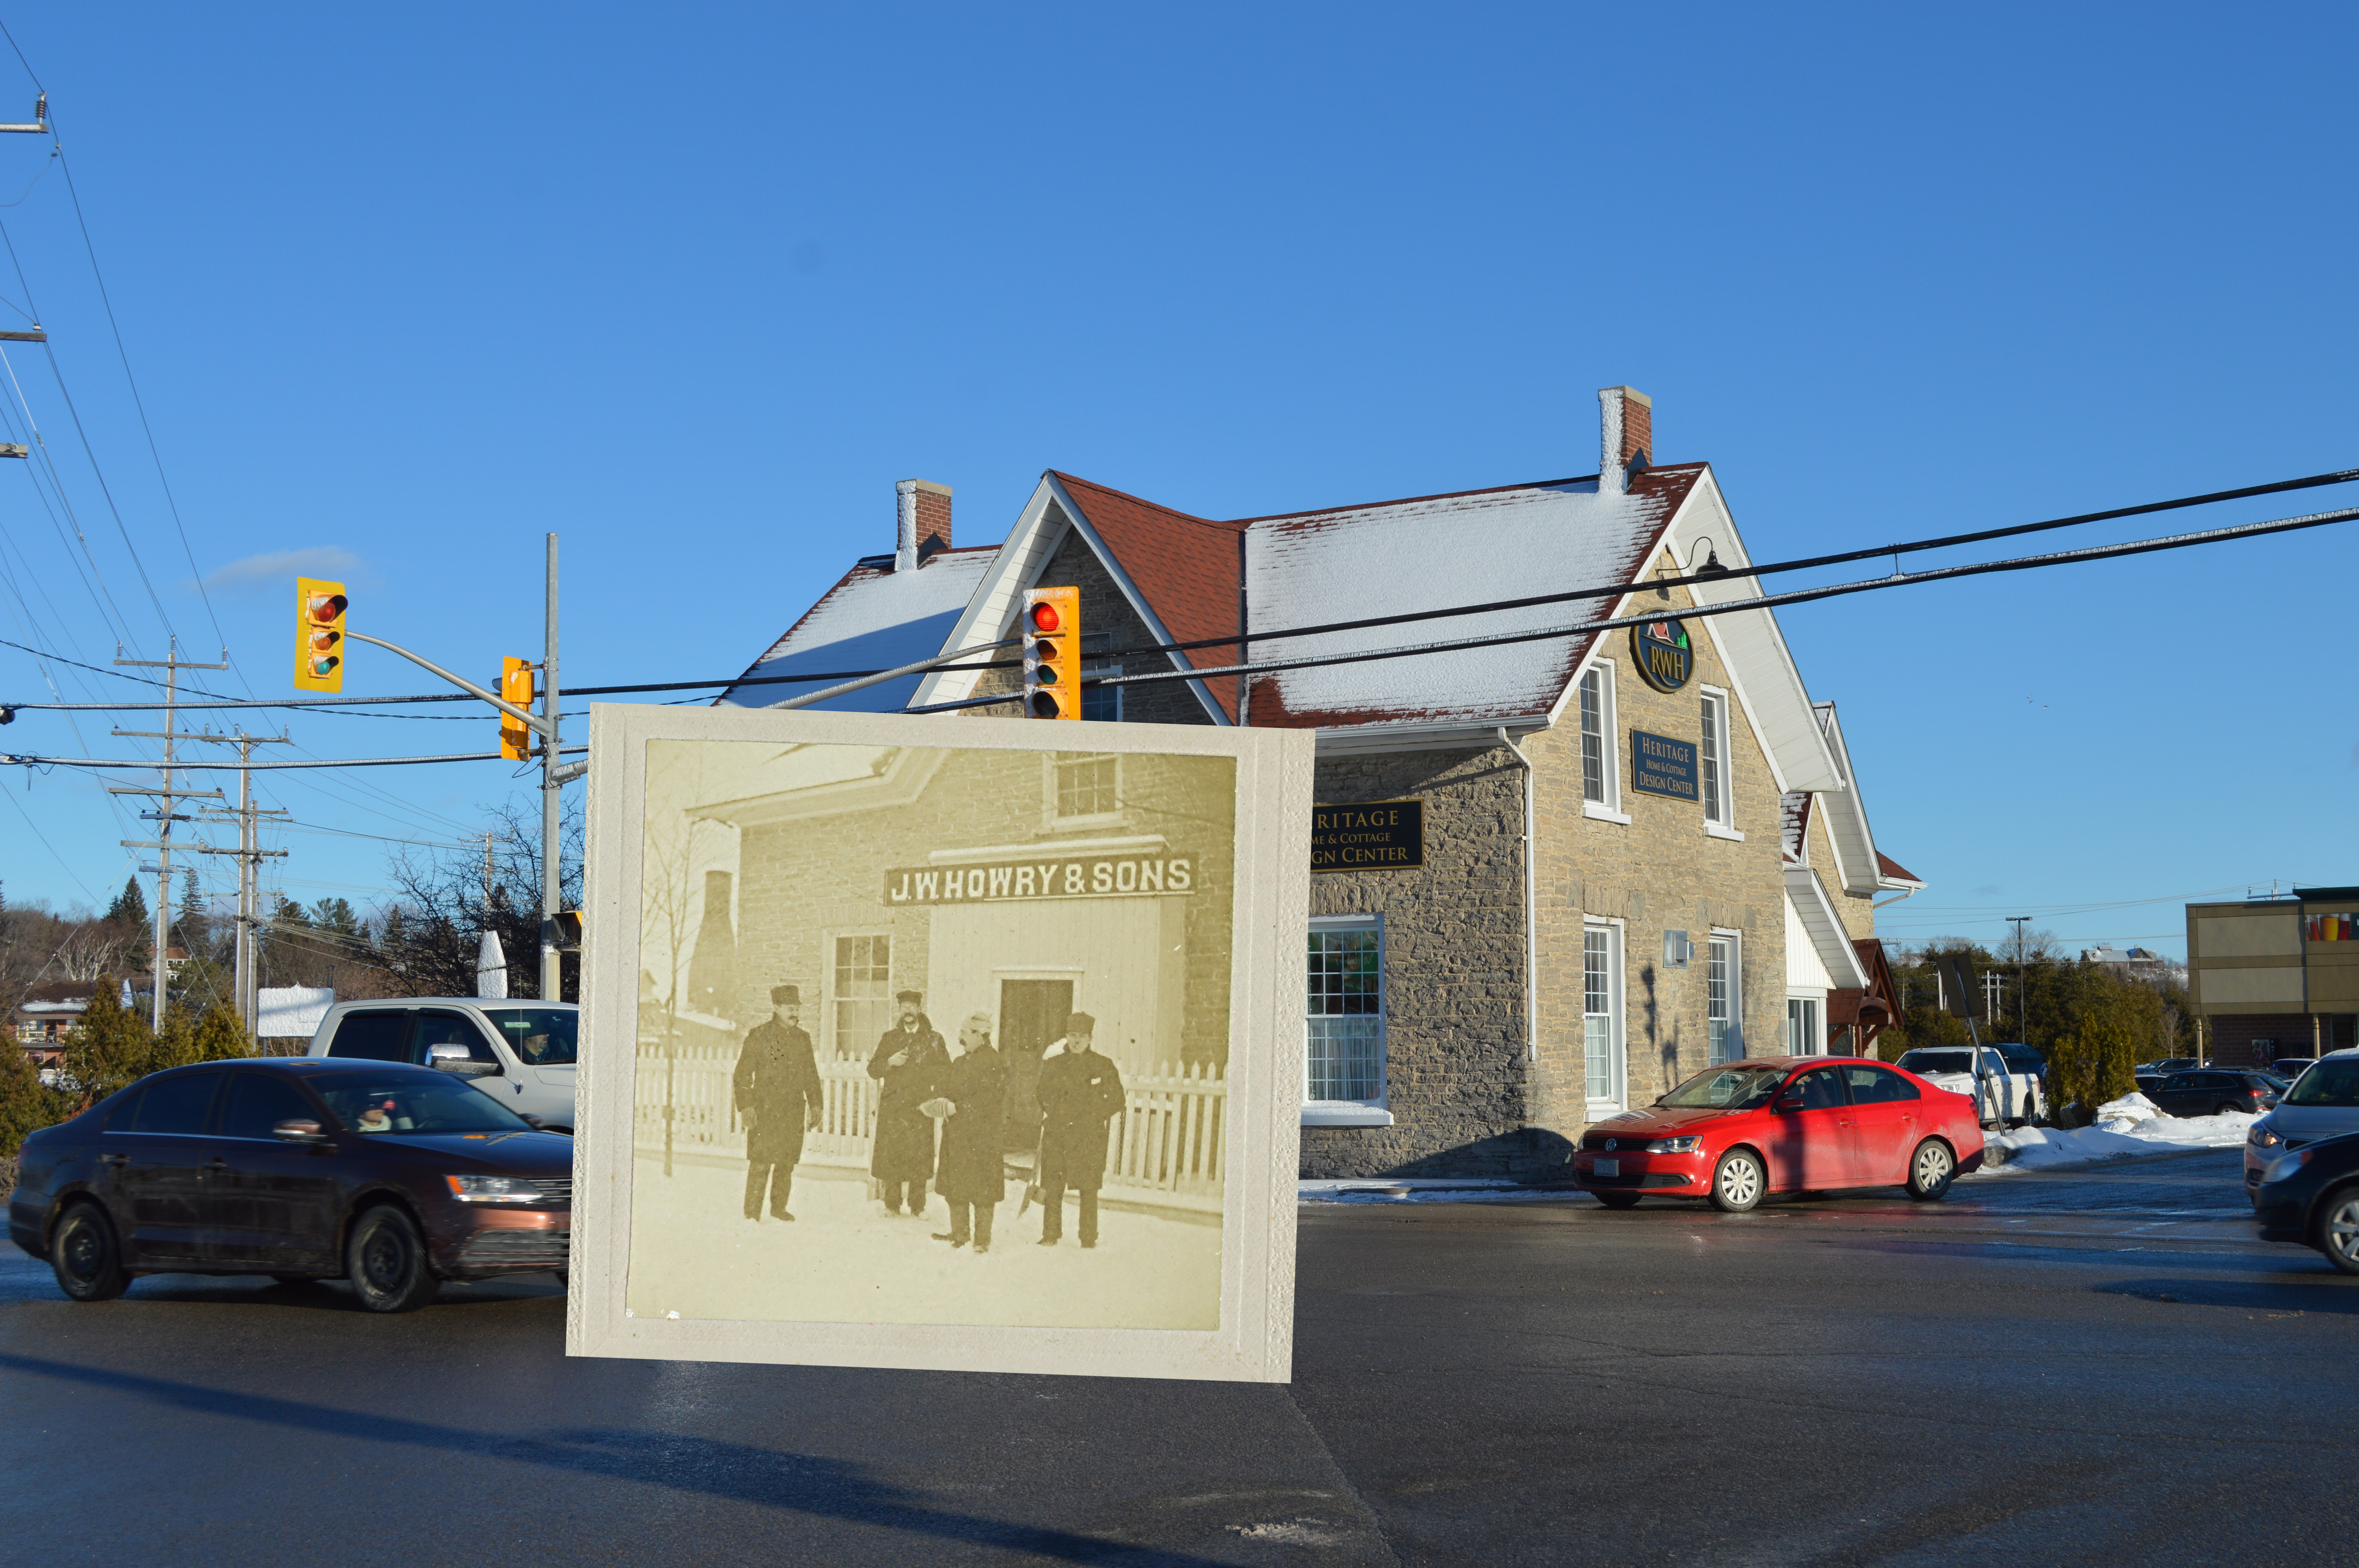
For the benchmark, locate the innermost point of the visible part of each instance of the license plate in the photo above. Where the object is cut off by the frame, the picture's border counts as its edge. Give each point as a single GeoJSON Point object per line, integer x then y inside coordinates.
{"type": "Point", "coordinates": [1606, 1168]}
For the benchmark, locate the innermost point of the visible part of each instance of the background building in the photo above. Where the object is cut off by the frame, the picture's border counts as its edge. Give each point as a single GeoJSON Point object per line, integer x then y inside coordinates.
{"type": "Point", "coordinates": [2277, 976]}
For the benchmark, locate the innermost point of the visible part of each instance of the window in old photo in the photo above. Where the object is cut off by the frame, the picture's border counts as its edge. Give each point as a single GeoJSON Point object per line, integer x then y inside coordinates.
{"type": "Point", "coordinates": [949, 1060]}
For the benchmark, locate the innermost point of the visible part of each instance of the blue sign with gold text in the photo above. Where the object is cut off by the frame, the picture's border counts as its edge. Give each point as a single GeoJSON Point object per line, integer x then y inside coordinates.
{"type": "Point", "coordinates": [1660, 765]}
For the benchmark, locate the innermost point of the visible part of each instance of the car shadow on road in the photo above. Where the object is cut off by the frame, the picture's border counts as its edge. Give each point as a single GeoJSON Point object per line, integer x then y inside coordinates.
{"type": "Point", "coordinates": [314, 1295]}
{"type": "Point", "coordinates": [2328, 1293]}
{"type": "Point", "coordinates": [735, 1472]}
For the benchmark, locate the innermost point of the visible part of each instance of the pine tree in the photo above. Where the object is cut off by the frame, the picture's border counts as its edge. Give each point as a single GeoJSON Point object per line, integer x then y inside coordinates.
{"type": "Point", "coordinates": [26, 1105]}
{"type": "Point", "coordinates": [220, 1036]}
{"type": "Point", "coordinates": [109, 1048]}
{"type": "Point", "coordinates": [192, 899]}
{"type": "Point", "coordinates": [130, 906]}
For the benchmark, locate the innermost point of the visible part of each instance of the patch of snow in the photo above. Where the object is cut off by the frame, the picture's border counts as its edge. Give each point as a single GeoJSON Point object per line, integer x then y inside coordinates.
{"type": "Point", "coordinates": [2130, 1125]}
{"type": "Point", "coordinates": [1291, 1532]}
{"type": "Point", "coordinates": [872, 620]}
{"type": "Point", "coordinates": [1387, 560]}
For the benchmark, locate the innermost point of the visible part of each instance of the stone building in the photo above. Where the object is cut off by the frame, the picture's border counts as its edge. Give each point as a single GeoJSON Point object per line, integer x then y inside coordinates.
{"type": "Point", "coordinates": [1555, 875]}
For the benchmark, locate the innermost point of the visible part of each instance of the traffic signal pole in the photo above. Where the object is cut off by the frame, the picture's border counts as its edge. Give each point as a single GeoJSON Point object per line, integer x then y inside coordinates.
{"type": "Point", "coordinates": [551, 883]}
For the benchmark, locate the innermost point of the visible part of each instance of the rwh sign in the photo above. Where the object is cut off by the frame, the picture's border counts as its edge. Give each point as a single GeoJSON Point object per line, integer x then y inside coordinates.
{"type": "Point", "coordinates": [1378, 835]}
{"type": "Point", "coordinates": [1660, 765]}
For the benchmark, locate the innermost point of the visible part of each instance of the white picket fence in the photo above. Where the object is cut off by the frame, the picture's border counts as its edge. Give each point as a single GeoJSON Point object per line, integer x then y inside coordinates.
{"type": "Point", "coordinates": [1170, 1143]}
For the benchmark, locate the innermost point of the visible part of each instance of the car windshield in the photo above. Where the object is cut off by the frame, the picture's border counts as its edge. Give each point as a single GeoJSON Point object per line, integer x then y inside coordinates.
{"type": "Point", "coordinates": [540, 1036]}
{"type": "Point", "coordinates": [416, 1104]}
{"type": "Point", "coordinates": [1727, 1088]}
{"type": "Point", "coordinates": [2327, 1083]}
{"type": "Point", "coordinates": [1938, 1061]}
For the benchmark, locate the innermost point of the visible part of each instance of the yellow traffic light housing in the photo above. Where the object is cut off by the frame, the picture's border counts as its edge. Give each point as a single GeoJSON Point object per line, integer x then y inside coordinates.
{"type": "Point", "coordinates": [516, 687]}
{"type": "Point", "coordinates": [319, 635]}
{"type": "Point", "coordinates": [1052, 625]}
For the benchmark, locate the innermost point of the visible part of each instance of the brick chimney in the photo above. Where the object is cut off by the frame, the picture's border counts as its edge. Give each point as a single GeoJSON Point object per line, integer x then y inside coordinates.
{"type": "Point", "coordinates": [1627, 431]}
{"type": "Point", "coordinates": [924, 509]}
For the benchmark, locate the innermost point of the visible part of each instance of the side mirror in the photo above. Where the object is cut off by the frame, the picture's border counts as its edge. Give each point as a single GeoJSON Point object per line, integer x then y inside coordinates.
{"type": "Point", "coordinates": [298, 1130]}
{"type": "Point", "coordinates": [534, 1122]}
{"type": "Point", "coordinates": [1792, 1100]}
{"type": "Point", "coordinates": [453, 1058]}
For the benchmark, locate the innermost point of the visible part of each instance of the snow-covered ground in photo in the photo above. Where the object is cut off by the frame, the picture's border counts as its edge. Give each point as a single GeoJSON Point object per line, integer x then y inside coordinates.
{"type": "Point", "coordinates": [694, 1252]}
{"type": "Point", "coordinates": [1389, 1189]}
{"type": "Point", "coordinates": [2128, 1126]}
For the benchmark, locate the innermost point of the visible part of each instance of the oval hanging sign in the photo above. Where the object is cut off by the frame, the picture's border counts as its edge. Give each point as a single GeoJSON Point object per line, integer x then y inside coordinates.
{"type": "Point", "coordinates": [1661, 650]}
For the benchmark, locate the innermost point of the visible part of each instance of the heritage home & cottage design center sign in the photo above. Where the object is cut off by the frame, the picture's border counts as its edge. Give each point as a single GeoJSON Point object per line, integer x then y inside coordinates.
{"type": "Point", "coordinates": [1377, 836]}
{"type": "Point", "coordinates": [1660, 765]}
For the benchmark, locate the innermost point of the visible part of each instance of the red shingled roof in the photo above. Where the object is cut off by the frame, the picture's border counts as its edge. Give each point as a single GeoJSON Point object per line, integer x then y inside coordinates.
{"type": "Point", "coordinates": [1895, 869]}
{"type": "Point", "coordinates": [1186, 566]}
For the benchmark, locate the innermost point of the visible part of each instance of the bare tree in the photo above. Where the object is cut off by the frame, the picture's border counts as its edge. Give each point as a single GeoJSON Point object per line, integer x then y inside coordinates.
{"type": "Point", "coordinates": [431, 933]}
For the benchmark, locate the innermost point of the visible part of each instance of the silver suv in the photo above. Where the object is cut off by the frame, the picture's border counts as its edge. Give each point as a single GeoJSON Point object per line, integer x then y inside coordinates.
{"type": "Point", "coordinates": [519, 1052]}
{"type": "Point", "coordinates": [2322, 1103]}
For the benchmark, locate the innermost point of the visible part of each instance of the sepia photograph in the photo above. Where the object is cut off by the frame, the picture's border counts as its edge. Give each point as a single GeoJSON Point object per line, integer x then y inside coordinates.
{"type": "Point", "coordinates": [933, 1035]}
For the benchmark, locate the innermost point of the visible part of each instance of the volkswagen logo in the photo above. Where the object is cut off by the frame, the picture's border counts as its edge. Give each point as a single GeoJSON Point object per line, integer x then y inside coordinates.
{"type": "Point", "coordinates": [1612, 1144]}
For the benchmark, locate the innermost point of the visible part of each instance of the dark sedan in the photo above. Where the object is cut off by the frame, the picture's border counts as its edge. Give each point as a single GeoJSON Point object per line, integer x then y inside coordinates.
{"type": "Point", "coordinates": [2311, 1195]}
{"type": "Point", "coordinates": [2213, 1091]}
{"type": "Point", "coordinates": [393, 1177]}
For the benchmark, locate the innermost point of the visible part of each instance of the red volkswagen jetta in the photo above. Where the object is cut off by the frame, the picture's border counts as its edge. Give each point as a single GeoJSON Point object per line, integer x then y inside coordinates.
{"type": "Point", "coordinates": [1781, 1124]}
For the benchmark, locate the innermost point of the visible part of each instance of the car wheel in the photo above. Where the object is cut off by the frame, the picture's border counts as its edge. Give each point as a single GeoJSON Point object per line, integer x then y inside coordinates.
{"type": "Point", "coordinates": [385, 1261]}
{"type": "Point", "coordinates": [1932, 1169]}
{"type": "Point", "coordinates": [2224, 1108]}
{"type": "Point", "coordinates": [85, 1257]}
{"type": "Point", "coordinates": [1617, 1200]}
{"type": "Point", "coordinates": [1737, 1182]}
{"type": "Point", "coordinates": [2338, 1230]}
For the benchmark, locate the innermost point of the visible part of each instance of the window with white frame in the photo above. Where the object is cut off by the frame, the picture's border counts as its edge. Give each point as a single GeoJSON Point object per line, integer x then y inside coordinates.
{"type": "Point", "coordinates": [859, 993]}
{"type": "Point", "coordinates": [1711, 760]}
{"type": "Point", "coordinates": [1804, 1035]}
{"type": "Point", "coordinates": [1600, 782]}
{"type": "Point", "coordinates": [1600, 1011]}
{"type": "Point", "coordinates": [1345, 1013]}
{"type": "Point", "coordinates": [1085, 784]}
{"type": "Point", "coordinates": [1723, 1033]}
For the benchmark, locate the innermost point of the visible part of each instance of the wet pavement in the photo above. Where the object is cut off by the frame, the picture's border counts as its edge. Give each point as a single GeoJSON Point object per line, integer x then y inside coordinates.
{"type": "Point", "coordinates": [2097, 1367]}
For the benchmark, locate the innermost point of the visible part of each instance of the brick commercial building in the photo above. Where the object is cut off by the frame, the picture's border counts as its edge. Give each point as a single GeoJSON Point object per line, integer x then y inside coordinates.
{"type": "Point", "coordinates": [1553, 877]}
{"type": "Point", "coordinates": [2273, 977]}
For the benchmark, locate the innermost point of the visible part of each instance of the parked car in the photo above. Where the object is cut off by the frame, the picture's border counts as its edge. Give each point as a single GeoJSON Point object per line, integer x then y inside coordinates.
{"type": "Point", "coordinates": [393, 1176]}
{"type": "Point", "coordinates": [2290, 1067]}
{"type": "Point", "coordinates": [2149, 1074]}
{"type": "Point", "coordinates": [2215, 1092]}
{"type": "Point", "coordinates": [520, 1052]}
{"type": "Point", "coordinates": [2014, 1097]}
{"type": "Point", "coordinates": [2322, 1103]}
{"type": "Point", "coordinates": [1738, 1133]}
{"type": "Point", "coordinates": [2024, 1062]}
{"type": "Point", "coordinates": [2311, 1197]}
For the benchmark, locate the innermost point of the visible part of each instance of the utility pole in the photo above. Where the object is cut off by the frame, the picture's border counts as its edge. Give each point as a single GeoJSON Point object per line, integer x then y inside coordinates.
{"type": "Point", "coordinates": [552, 988]}
{"type": "Point", "coordinates": [171, 665]}
{"type": "Point", "coordinates": [2022, 995]}
{"type": "Point", "coordinates": [250, 856]}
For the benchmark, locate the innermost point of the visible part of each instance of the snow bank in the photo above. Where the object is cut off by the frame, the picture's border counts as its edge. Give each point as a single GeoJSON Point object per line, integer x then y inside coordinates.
{"type": "Point", "coordinates": [2125, 1127]}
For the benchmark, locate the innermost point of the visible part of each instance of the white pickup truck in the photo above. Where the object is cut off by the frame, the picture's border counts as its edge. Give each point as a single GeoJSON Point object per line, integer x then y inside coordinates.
{"type": "Point", "coordinates": [2005, 1098]}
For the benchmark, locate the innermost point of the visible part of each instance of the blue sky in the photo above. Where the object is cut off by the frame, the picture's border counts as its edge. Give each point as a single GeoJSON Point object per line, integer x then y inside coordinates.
{"type": "Point", "coordinates": [403, 290]}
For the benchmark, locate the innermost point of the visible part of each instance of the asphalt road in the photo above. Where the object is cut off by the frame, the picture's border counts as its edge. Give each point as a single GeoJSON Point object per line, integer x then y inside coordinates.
{"type": "Point", "coordinates": [2102, 1368]}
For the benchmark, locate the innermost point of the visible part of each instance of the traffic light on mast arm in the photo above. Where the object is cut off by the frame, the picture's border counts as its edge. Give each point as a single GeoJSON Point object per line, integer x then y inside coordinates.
{"type": "Point", "coordinates": [1053, 653]}
{"type": "Point", "coordinates": [319, 635]}
{"type": "Point", "coordinates": [515, 685]}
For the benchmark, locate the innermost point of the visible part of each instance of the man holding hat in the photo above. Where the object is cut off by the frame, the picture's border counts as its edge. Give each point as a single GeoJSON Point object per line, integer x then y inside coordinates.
{"type": "Point", "coordinates": [778, 1092]}
{"type": "Point", "coordinates": [907, 1062]}
{"type": "Point", "coordinates": [1080, 1092]}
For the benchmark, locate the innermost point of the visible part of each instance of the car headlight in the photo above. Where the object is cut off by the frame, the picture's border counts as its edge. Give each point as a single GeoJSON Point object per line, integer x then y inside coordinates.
{"type": "Point", "coordinates": [1675, 1145]}
{"type": "Point", "coordinates": [2264, 1136]}
{"type": "Point", "coordinates": [491, 1189]}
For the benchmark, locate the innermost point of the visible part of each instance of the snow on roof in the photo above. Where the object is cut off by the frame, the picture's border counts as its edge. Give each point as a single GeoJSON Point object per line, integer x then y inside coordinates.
{"type": "Point", "coordinates": [1436, 551]}
{"type": "Point", "coordinates": [875, 618]}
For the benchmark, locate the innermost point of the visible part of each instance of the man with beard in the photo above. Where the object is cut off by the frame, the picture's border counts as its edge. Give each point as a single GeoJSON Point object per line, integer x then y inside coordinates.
{"type": "Point", "coordinates": [1080, 1092]}
{"type": "Point", "coordinates": [778, 1091]}
{"type": "Point", "coordinates": [968, 1101]}
{"type": "Point", "coordinates": [905, 1062]}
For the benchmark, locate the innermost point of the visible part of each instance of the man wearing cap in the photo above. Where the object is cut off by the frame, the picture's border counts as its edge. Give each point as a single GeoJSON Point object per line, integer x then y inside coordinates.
{"type": "Point", "coordinates": [1080, 1092]}
{"type": "Point", "coordinates": [907, 1062]}
{"type": "Point", "coordinates": [777, 1091]}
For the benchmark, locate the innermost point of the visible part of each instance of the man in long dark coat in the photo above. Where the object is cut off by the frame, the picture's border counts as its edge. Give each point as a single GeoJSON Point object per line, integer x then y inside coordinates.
{"type": "Point", "coordinates": [1080, 1092]}
{"type": "Point", "coordinates": [778, 1092]}
{"type": "Point", "coordinates": [907, 1062]}
{"type": "Point", "coordinates": [969, 1101]}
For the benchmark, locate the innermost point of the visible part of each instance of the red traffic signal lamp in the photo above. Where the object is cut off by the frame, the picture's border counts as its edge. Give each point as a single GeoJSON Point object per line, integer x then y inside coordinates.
{"type": "Point", "coordinates": [1052, 625]}
{"type": "Point", "coordinates": [516, 687]}
{"type": "Point", "coordinates": [320, 634]}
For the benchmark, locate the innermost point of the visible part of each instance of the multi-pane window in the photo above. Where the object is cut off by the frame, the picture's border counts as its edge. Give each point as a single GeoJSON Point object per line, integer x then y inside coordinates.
{"type": "Point", "coordinates": [1597, 1009]}
{"type": "Point", "coordinates": [863, 993]}
{"type": "Point", "coordinates": [1345, 1014]}
{"type": "Point", "coordinates": [1711, 760]}
{"type": "Point", "coordinates": [1720, 1000]}
{"type": "Point", "coordinates": [1593, 736]}
{"type": "Point", "coordinates": [1100, 701]}
{"type": "Point", "coordinates": [1802, 1035]}
{"type": "Point", "coordinates": [1087, 785]}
